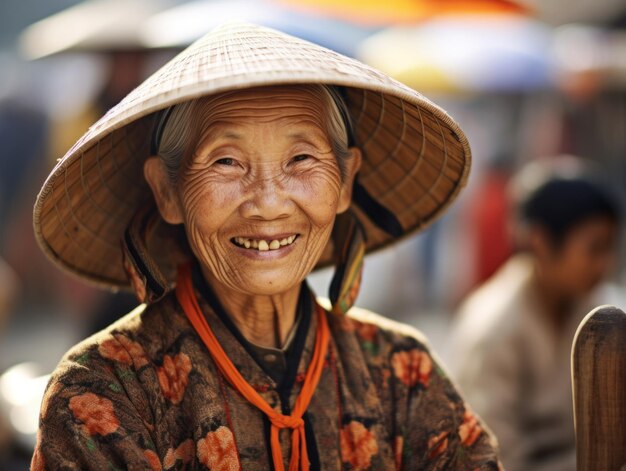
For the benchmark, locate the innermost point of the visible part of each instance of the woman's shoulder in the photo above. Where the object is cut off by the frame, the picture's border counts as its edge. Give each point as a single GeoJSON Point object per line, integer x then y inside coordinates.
{"type": "Point", "coordinates": [108, 386]}
{"type": "Point", "coordinates": [370, 327]}
{"type": "Point", "coordinates": [414, 388]}
{"type": "Point", "coordinates": [131, 341]}
{"type": "Point", "coordinates": [381, 342]}
{"type": "Point", "coordinates": [393, 330]}
{"type": "Point", "coordinates": [119, 365]}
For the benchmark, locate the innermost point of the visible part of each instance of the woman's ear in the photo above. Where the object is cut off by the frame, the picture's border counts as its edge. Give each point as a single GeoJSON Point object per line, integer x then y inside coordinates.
{"type": "Point", "coordinates": [164, 190]}
{"type": "Point", "coordinates": [352, 166]}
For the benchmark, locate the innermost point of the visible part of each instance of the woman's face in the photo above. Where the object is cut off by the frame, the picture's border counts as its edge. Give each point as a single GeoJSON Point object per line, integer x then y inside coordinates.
{"type": "Point", "coordinates": [260, 193]}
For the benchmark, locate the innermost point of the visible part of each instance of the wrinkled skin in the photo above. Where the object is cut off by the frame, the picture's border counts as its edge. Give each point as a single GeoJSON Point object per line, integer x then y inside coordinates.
{"type": "Point", "coordinates": [262, 169]}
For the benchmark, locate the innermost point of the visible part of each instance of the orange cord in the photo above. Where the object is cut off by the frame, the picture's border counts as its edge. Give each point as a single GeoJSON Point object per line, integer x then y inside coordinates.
{"type": "Point", "coordinates": [187, 299]}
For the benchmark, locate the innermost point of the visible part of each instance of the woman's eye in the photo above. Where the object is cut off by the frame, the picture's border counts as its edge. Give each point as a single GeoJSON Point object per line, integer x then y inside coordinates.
{"type": "Point", "coordinates": [300, 158]}
{"type": "Point", "coordinates": [225, 161]}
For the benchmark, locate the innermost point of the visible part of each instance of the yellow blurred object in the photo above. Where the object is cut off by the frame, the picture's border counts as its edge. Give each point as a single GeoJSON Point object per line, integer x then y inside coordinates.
{"type": "Point", "coordinates": [65, 131]}
{"type": "Point", "coordinates": [426, 77]}
{"type": "Point", "coordinates": [377, 12]}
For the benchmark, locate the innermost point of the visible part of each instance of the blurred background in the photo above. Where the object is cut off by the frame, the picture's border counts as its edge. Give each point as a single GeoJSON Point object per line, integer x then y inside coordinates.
{"type": "Point", "coordinates": [527, 81]}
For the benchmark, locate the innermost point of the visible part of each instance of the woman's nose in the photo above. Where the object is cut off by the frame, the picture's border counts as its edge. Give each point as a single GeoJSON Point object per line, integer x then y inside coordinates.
{"type": "Point", "coordinates": [268, 199]}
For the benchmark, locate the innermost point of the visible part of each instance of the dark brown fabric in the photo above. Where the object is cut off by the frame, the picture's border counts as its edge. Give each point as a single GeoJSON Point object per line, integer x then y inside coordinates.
{"type": "Point", "coordinates": [145, 395]}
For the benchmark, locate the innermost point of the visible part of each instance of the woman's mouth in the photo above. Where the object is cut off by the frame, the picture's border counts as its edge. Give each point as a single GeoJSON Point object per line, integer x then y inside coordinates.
{"type": "Point", "coordinates": [263, 245]}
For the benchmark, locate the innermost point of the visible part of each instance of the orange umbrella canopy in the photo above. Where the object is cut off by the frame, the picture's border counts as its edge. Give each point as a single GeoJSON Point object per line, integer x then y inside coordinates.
{"type": "Point", "coordinates": [378, 12]}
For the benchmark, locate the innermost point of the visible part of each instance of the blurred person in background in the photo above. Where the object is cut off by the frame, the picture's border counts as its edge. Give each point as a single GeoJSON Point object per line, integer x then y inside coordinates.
{"type": "Point", "coordinates": [510, 347]}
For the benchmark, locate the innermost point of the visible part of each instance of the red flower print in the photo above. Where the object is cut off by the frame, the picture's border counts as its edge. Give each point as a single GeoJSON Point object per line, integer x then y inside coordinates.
{"type": "Point", "coordinates": [358, 445]}
{"type": "Point", "coordinates": [437, 444]}
{"type": "Point", "coordinates": [95, 412]}
{"type": "Point", "coordinates": [412, 367]}
{"type": "Point", "coordinates": [153, 460]}
{"type": "Point", "coordinates": [217, 451]}
{"type": "Point", "coordinates": [123, 350]}
{"type": "Point", "coordinates": [184, 453]}
{"type": "Point", "coordinates": [470, 429]}
{"type": "Point", "coordinates": [174, 376]}
{"type": "Point", "coordinates": [398, 444]}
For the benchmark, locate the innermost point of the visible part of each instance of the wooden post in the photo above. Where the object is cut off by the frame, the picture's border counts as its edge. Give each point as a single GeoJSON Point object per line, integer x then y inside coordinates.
{"type": "Point", "coordinates": [599, 388]}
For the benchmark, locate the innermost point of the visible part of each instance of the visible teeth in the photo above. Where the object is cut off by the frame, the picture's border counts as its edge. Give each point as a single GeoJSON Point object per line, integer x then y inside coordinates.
{"type": "Point", "coordinates": [264, 245]}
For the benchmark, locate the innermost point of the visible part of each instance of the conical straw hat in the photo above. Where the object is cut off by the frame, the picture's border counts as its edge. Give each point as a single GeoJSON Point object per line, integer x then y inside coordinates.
{"type": "Point", "coordinates": [416, 158]}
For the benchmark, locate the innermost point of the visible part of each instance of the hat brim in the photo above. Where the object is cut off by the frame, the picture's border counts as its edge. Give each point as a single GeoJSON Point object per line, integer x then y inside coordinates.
{"type": "Point", "coordinates": [416, 159]}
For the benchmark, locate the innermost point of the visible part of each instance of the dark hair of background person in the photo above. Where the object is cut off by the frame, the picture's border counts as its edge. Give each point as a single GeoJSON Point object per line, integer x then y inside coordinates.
{"type": "Point", "coordinates": [561, 205]}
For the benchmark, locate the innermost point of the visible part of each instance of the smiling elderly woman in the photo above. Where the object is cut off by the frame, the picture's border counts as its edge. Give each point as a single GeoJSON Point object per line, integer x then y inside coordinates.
{"type": "Point", "coordinates": [265, 158]}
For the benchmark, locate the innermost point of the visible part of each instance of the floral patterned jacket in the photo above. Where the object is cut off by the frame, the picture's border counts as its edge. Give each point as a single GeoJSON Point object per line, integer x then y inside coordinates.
{"type": "Point", "coordinates": [145, 395]}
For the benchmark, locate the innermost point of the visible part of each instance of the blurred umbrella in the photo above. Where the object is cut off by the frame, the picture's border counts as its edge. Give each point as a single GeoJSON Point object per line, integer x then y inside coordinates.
{"type": "Point", "coordinates": [389, 12]}
{"type": "Point", "coordinates": [94, 25]}
{"type": "Point", "coordinates": [464, 53]}
{"type": "Point", "coordinates": [182, 25]}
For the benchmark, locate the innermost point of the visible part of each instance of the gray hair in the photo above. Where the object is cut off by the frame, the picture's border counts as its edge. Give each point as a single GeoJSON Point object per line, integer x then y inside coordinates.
{"type": "Point", "coordinates": [180, 131]}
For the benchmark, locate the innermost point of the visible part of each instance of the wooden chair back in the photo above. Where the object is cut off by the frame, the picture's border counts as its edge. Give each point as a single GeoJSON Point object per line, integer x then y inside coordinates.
{"type": "Point", "coordinates": [599, 388]}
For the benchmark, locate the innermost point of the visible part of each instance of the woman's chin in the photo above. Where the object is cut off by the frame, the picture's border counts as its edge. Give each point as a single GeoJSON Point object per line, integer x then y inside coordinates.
{"type": "Point", "coordinates": [252, 280]}
{"type": "Point", "coordinates": [267, 285]}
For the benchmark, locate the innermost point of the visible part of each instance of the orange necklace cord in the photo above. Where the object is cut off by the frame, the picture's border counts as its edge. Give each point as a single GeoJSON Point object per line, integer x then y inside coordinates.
{"type": "Point", "coordinates": [187, 299]}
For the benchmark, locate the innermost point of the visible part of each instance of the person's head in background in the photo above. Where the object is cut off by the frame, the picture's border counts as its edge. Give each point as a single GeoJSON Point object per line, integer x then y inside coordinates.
{"type": "Point", "coordinates": [569, 223]}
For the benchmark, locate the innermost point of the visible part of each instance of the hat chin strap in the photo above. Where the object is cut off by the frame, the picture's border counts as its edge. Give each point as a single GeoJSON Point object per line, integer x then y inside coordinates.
{"type": "Point", "coordinates": [349, 249]}
{"type": "Point", "coordinates": [382, 217]}
{"type": "Point", "coordinates": [349, 246]}
{"type": "Point", "coordinates": [144, 273]}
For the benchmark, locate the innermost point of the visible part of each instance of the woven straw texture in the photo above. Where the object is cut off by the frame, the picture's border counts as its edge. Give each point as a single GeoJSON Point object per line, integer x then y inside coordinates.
{"type": "Point", "coordinates": [416, 158]}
